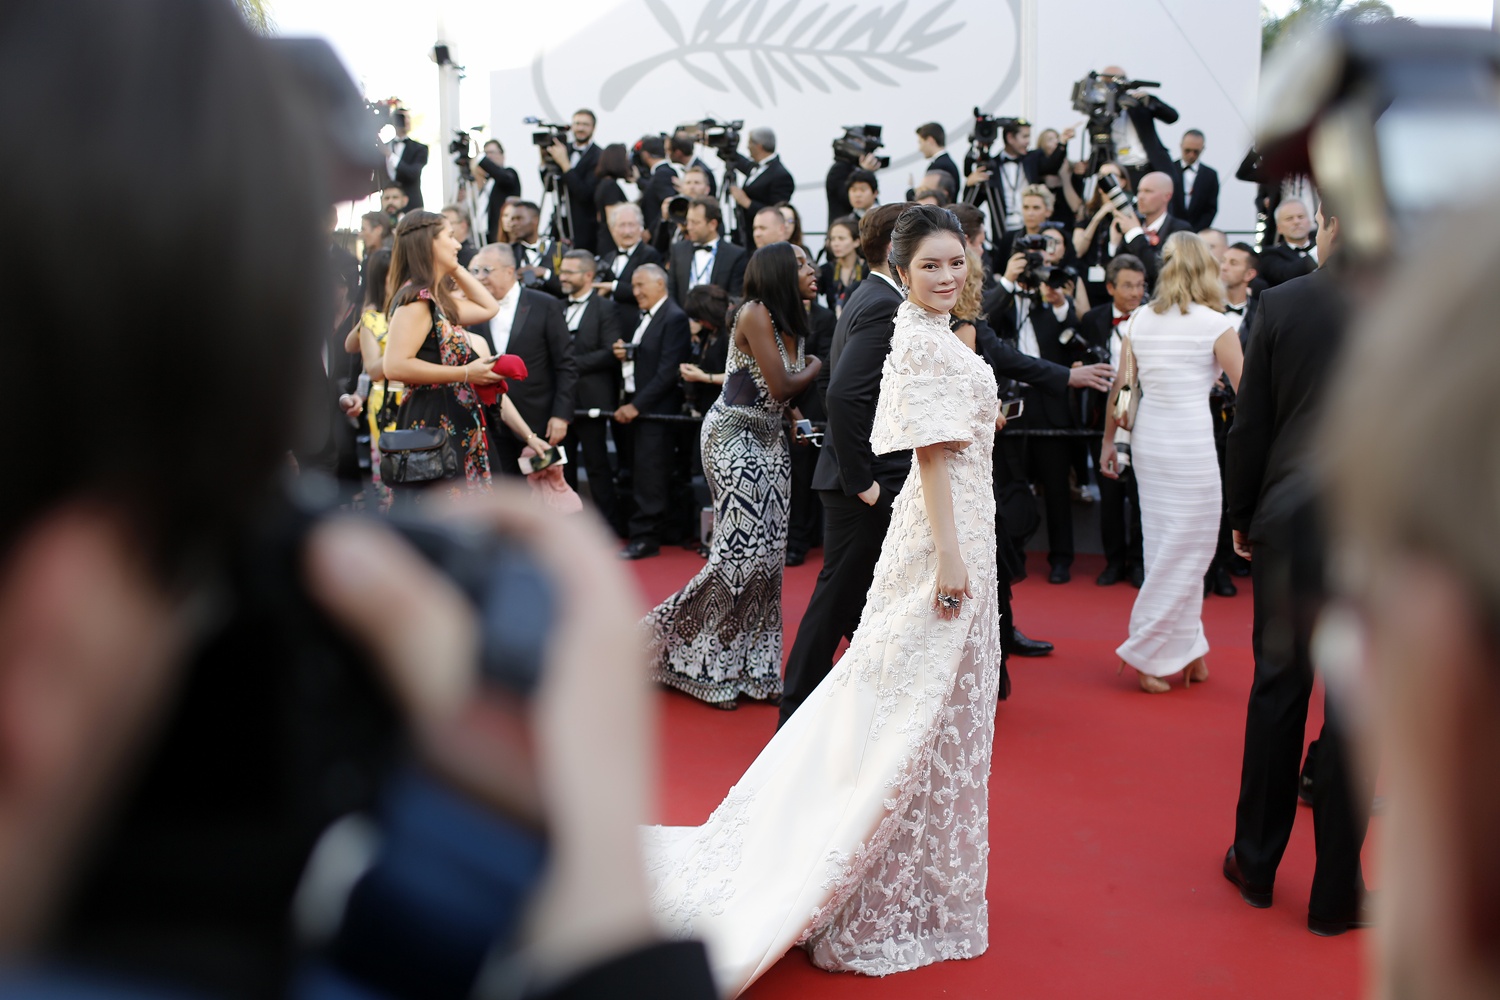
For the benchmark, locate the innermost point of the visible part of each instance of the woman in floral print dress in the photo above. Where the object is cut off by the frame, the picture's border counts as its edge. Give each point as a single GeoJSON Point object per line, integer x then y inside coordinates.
{"type": "Point", "coordinates": [426, 348]}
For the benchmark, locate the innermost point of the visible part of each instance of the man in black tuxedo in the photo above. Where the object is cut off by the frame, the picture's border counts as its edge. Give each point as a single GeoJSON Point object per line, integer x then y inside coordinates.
{"type": "Point", "coordinates": [658, 181]}
{"type": "Point", "coordinates": [497, 184]}
{"type": "Point", "coordinates": [705, 257]}
{"type": "Point", "coordinates": [594, 324]}
{"type": "Point", "coordinates": [577, 161]}
{"type": "Point", "coordinates": [856, 486]}
{"type": "Point", "coordinates": [404, 159]}
{"type": "Point", "coordinates": [1033, 321]}
{"type": "Point", "coordinates": [932, 141]}
{"type": "Point", "coordinates": [1238, 270]}
{"type": "Point", "coordinates": [1142, 235]}
{"type": "Point", "coordinates": [1296, 253]}
{"type": "Point", "coordinates": [538, 260]}
{"type": "Point", "coordinates": [999, 190]}
{"type": "Point", "coordinates": [393, 202]}
{"type": "Point", "coordinates": [680, 151]}
{"type": "Point", "coordinates": [1195, 185]}
{"type": "Point", "coordinates": [1101, 328]}
{"type": "Point", "coordinates": [767, 181]}
{"type": "Point", "coordinates": [660, 341]}
{"type": "Point", "coordinates": [1137, 146]}
{"type": "Point", "coordinates": [805, 517]}
{"type": "Point", "coordinates": [529, 324]}
{"type": "Point", "coordinates": [695, 182]}
{"type": "Point", "coordinates": [1272, 506]}
{"type": "Point", "coordinates": [618, 265]}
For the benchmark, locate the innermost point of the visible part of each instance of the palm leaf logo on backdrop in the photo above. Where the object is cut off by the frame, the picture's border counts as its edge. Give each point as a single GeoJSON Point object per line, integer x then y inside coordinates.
{"type": "Point", "coordinates": [735, 44]}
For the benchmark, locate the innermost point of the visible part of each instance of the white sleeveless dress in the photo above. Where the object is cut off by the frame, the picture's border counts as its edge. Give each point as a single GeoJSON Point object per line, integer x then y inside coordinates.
{"type": "Point", "coordinates": [861, 830]}
{"type": "Point", "coordinates": [1177, 470]}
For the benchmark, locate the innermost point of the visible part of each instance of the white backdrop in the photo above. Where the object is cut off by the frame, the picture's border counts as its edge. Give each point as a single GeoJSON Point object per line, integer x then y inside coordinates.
{"type": "Point", "coordinates": [808, 67]}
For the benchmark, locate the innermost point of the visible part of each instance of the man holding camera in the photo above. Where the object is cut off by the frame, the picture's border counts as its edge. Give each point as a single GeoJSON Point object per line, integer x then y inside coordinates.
{"type": "Point", "coordinates": [705, 257]}
{"type": "Point", "coordinates": [997, 183]}
{"type": "Point", "coordinates": [658, 182]}
{"type": "Point", "coordinates": [1137, 146]}
{"type": "Point", "coordinates": [932, 142]}
{"type": "Point", "coordinates": [593, 322]}
{"type": "Point", "coordinates": [1032, 313]}
{"type": "Point", "coordinates": [576, 162]}
{"type": "Point", "coordinates": [841, 175]}
{"type": "Point", "coordinates": [498, 183]}
{"type": "Point", "coordinates": [1100, 329]}
{"type": "Point", "coordinates": [695, 182]}
{"type": "Point", "coordinates": [404, 159]}
{"type": "Point", "coordinates": [1142, 235]}
{"type": "Point", "coordinates": [681, 152]}
{"type": "Point", "coordinates": [767, 181]}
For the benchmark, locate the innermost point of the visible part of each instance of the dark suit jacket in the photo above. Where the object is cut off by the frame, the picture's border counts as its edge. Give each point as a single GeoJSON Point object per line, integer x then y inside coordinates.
{"type": "Point", "coordinates": [945, 163]}
{"type": "Point", "coordinates": [409, 172]}
{"type": "Point", "coordinates": [1011, 364]}
{"type": "Point", "coordinates": [551, 258]}
{"type": "Point", "coordinates": [624, 296]}
{"type": "Point", "coordinates": [1252, 308]}
{"type": "Point", "coordinates": [1280, 264]}
{"type": "Point", "coordinates": [507, 185]}
{"type": "Point", "coordinates": [1144, 117]}
{"type": "Point", "coordinates": [1151, 255]}
{"type": "Point", "coordinates": [580, 182]}
{"type": "Point", "coordinates": [861, 341]}
{"type": "Point", "coordinates": [836, 188]}
{"type": "Point", "coordinates": [654, 191]}
{"type": "Point", "coordinates": [1044, 408]}
{"type": "Point", "coordinates": [1034, 164]}
{"type": "Point", "coordinates": [539, 334]}
{"type": "Point", "coordinates": [1200, 212]}
{"type": "Point", "coordinates": [773, 186]}
{"type": "Point", "coordinates": [1269, 480]}
{"type": "Point", "coordinates": [666, 344]}
{"type": "Point", "coordinates": [728, 271]}
{"type": "Point", "coordinates": [821, 324]}
{"type": "Point", "coordinates": [593, 351]}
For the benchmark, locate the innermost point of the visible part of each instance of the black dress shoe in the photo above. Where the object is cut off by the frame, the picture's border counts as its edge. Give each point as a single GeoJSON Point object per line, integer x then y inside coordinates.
{"type": "Point", "coordinates": [1257, 896]}
{"type": "Point", "coordinates": [1137, 576]}
{"type": "Point", "coordinates": [1305, 789]}
{"type": "Point", "coordinates": [1004, 683]}
{"type": "Point", "coordinates": [1059, 574]}
{"type": "Point", "coordinates": [1223, 585]}
{"type": "Point", "coordinates": [1112, 575]}
{"type": "Point", "coordinates": [1363, 917]}
{"type": "Point", "coordinates": [639, 550]}
{"type": "Point", "coordinates": [1029, 647]}
{"type": "Point", "coordinates": [795, 558]}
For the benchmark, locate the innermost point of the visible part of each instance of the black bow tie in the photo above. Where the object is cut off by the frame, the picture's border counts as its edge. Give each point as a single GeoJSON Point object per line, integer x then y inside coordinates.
{"type": "Point", "coordinates": [703, 247]}
{"type": "Point", "coordinates": [1010, 159]}
{"type": "Point", "coordinates": [1237, 310]}
{"type": "Point", "coordinates": [1304, 248]}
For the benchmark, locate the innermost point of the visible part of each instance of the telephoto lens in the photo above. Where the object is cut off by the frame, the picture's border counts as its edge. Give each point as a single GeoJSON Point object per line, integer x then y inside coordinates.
{"type": "Point", "coordinates": [1117, 195]}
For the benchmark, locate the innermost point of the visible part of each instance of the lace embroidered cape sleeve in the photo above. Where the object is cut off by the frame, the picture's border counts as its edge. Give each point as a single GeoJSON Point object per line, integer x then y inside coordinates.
{"type": "Point", "coordinates": [925, 393]}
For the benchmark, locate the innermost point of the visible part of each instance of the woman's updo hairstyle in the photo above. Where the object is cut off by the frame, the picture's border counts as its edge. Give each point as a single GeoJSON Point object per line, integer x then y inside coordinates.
{"type": "Point", "coordinates": [916, 224]}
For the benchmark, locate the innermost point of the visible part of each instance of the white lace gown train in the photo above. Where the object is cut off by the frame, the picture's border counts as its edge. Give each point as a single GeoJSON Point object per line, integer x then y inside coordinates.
{"type": "Point", "coordinates": [861, 830]}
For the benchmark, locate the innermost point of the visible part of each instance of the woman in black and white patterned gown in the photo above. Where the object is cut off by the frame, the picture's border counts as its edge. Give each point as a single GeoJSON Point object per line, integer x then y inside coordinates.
{"type": "Point", "coordinates": [861, 832]}
{"type": "Point", "coordinates": [720, 636]}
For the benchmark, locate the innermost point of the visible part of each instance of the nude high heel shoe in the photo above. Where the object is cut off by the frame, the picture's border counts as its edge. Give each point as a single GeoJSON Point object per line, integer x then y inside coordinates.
{"type": "Point", "coordinates": [1149, 684]}
{"type": "Point", "coordinates": [1195, 671]}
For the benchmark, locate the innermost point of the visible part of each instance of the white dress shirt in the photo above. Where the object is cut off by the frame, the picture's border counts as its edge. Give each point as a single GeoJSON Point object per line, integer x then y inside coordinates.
{"type": "Point", "coordinates": [1026, 341]}
{"type": "Point", "coordinates": [577, 305]}
{"type": "Point", "coordinates": [1189, 178]}
{"type": "Point", "coordinates": [398, 146]}
{"type": "Point", "coordinates": [627, 368]}
{"type": "Point", "coordinates": [1130, 152]}
{"type": "Point", "coordinates": [701, 271]}
{"type": "Point", "coordinates": [1117, 330]}
{"type": "Point", "coordinates": [760, 168]}
{"type": "Point", "coordinates": [501, 323]}
{"type": "Point", "coordinates": [622, 260]}
{"type": "Point", "coordinates": [1237, 318]}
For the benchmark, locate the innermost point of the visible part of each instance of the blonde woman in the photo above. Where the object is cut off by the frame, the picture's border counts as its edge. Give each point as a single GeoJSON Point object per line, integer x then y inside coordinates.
{"type": "Point", "coordinates": [1182, 343]}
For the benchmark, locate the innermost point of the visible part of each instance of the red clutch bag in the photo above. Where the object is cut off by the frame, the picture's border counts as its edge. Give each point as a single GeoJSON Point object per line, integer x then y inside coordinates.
{"type": "Point", "coordinates": [507, 365]}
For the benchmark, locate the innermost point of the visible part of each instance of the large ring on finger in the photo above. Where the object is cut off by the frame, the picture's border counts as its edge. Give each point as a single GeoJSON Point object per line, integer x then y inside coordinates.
{"type": "Point", "coordinates": [948, 601]}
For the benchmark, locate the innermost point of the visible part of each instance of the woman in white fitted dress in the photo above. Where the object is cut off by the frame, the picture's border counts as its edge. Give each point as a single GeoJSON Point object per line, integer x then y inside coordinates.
{"type": "Point", "coordinates": [1182, 345]}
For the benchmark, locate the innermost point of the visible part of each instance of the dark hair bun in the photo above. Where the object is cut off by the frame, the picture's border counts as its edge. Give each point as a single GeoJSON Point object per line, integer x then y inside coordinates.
{"type": "Point", "coordinates": [916, 224]}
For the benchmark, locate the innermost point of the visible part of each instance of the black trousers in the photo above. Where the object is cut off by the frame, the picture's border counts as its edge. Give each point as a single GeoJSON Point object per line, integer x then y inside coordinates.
{"type": "Point", "coordinates": [853, 532]}
{"type": "Point", "coordinates": [1223, 421]}
{"type": "Point", "coordinates": [588, 447]}
{"type": "Point", "coordinates": [654, 446]}
{"type": "Point", "coordinates": [1274, 730]}
{"type": "Point", "coordinates": [505, 447]}
{"type": "Point", "coordinates": [1119, 527]}
{"type": "Point", "coordinates": [805, 522]}
{"type": "Point", "coordinates": [1047, 462]}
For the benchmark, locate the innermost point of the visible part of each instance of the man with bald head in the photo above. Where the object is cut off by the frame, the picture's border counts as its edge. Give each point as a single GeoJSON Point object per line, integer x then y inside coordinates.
{"type": "Point", "coordinates": [1294, 253]}
{"type": "Point", "coordinates": [1143, 234]}
{"type": "Point", "coordinates": [658, 341]}
{"type": "Point", "coordinates": [1137, 147]}
{"type": "Point", "coordinates": [529, 324]}
{"type": "Point", "coordinates": [767, 182]}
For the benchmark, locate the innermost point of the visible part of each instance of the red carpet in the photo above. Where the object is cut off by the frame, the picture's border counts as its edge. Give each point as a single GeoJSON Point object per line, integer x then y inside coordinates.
{"type": "Point", "coordinates": [1110, 811]}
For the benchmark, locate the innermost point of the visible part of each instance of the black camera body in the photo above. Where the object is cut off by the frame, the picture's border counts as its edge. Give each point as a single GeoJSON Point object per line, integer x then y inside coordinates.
{"type": "Point", "coordinates": [1101, 99]}
{"type": "Point", "coordinates": [1038, 272]}
{"type": "Point", "coordinates": [722, 137]}
{"type": "Point", "coordinates": [857, 142]}
{"type": "Point", "coordinates": [677, 210]}
{"type": "Point", "coordinates": [546, 133]}
{"type": "Point", "coordinates": [987, 129]}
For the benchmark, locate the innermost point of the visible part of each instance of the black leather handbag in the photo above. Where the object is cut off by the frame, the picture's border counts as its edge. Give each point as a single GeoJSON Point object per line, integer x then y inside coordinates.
{"type": "Point", "coordinates": [417, 455]}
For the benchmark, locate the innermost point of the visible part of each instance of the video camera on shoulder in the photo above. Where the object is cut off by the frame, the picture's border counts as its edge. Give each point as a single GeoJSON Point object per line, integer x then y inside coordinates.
{"type": "Point", "coordinates": [722, 137]}
{"type": "Point", "coordinates": [1101, 98]}
{"type": "Point", "coordinates": [857, 142]}
{"type": "Point", "coordinates": [987, 129]}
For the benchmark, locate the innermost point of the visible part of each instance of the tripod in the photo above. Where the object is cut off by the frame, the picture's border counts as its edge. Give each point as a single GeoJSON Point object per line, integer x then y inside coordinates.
{"type": "Point", "coordinates": [554, 191]}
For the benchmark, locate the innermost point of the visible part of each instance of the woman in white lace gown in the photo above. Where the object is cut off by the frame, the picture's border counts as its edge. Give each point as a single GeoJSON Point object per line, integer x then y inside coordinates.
{"type": "Point", "coordinates": [1182, 344]}
{"type": "Point", "coordinates": [861, 830]}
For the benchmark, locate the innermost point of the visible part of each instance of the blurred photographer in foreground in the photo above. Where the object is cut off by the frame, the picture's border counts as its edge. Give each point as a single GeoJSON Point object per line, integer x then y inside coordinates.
{"type": "Point", "coordinates": [156, 817]}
